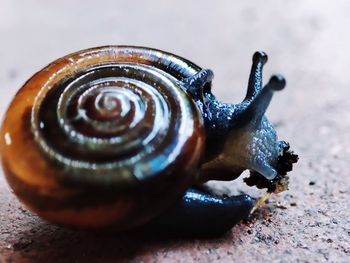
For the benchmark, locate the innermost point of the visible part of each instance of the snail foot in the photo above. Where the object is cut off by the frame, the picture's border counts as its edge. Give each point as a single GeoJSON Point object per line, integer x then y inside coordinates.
{"type": "Point", "coordinates": [203, 215]}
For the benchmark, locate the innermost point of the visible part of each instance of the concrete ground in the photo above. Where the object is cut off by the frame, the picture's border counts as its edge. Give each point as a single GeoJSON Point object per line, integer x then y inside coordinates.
{"type": "Point", "coordinates": [308, 41]}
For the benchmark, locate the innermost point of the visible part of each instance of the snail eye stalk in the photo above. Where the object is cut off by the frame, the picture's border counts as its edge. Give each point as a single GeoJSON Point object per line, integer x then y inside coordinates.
{"type": "Point", "coordinates": [196, 83]}
{"type": "Point", "coordinates": [255, 78]}
{"type": "Point", "coordinates": [257, 105]}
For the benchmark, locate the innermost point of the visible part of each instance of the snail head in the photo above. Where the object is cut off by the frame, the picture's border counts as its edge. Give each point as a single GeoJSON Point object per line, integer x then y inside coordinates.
{"type": "Point", "coordinates": [240, 137]}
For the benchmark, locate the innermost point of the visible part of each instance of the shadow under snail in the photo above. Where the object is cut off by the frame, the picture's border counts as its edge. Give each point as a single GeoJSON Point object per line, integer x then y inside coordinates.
{"type": "Point", "coordinates": [120, 135]}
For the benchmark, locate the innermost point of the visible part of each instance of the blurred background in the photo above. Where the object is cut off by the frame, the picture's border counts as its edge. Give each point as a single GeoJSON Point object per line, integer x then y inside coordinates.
{"type": "Point", "coordinates": [307, 41]}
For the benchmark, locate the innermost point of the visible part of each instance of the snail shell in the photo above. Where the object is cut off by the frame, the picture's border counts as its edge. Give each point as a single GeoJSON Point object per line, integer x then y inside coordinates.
{"type": "Point", "coordinates": [105, 136]}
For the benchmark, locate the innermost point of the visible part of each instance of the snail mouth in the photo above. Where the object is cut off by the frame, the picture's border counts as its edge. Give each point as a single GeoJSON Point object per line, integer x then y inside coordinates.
{"type": "Point", "coordinates": [284, 165]}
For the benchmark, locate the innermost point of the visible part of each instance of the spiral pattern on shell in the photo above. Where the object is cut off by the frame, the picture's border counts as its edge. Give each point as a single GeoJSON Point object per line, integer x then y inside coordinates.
{"type": "Point", "coordinates": [105, 136]}
{"type": "Point", "coordinates": [112, 121]}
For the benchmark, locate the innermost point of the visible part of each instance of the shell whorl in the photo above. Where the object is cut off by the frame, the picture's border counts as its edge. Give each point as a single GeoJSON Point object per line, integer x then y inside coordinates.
{"type": "Point", "coordinates": [113, 118]}
{"type": "Point", "coordinates": [105, 136]}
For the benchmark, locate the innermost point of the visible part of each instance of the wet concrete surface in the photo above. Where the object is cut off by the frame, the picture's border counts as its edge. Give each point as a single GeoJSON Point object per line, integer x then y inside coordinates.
{"type": "Point", "coordinates": [307, 41]}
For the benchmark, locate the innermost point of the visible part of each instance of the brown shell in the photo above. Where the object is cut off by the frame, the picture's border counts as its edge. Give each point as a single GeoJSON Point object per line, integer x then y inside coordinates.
{"type": "Point", "coordinates": [69, 154]}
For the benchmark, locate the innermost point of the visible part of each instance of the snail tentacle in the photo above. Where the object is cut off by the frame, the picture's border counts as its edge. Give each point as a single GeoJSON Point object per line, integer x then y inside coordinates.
{"type": "Point", "coordinates": [255, 78]}
{"type": "Point", "coordinates": [257, 106]}
{"type": "Point", "coordinates": [195, 84]}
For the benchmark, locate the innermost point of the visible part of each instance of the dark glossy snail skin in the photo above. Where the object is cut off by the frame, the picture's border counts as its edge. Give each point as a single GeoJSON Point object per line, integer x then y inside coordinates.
{"type": "Point", "coordinates": [115, 135]}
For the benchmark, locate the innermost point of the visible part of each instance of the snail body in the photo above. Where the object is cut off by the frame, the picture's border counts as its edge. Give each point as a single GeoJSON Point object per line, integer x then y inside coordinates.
{"type": "Point", "coordinates": [115, 135]}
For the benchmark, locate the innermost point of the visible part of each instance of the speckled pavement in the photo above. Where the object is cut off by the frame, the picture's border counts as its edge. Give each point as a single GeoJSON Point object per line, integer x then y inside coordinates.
{"type": "Point", "coordinates": [307, 41]}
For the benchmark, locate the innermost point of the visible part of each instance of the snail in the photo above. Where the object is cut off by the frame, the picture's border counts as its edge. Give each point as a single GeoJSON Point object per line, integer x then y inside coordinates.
{"type": "Point", "coordinates": [119, 136]}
